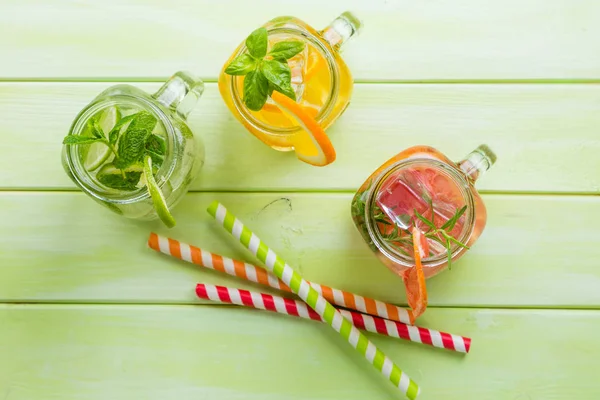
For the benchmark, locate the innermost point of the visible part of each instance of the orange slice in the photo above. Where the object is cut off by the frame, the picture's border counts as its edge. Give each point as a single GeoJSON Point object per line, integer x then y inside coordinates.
{"type": "Point", "coordinates": [414, 278]}
{"type": "Point", "coordinates": [314, 64]}
{"type": "Point", "coordinates": [312, 111]}
{"type": "Point", "coordinates": [312, 145]}
{"type": "Point", "coordinates": [268, 107]}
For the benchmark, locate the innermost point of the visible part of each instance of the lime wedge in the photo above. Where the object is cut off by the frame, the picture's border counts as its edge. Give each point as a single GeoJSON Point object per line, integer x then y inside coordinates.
{"type": "Point", "coordinates": [109, 118]}
{"type": "Point", "coordinates": [97, 154]}
{"type": "Point", "coordinates": [159, 201]}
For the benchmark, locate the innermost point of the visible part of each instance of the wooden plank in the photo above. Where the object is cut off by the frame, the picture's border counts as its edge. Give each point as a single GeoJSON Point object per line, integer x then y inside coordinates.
{"type": "Point", "coordinates": [227, 353]}
{"type": "Point", "coordinates": [537, 251]}
{"type": "Point", "coordinates": [402, 40]}
{"type": "Point", "coordinates": [545, 136]}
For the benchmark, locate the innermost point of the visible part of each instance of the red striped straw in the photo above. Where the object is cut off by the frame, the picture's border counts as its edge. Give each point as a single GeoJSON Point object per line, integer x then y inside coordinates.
{"type": "Point", "coordinates": [263, 301]}
{"type": "Point", "coordinates": [254, 273]}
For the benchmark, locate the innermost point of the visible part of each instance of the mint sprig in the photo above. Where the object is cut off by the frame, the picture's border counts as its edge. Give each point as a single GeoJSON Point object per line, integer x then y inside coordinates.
{"type": "Point", "coordinates": [129, 144]}
{"type": "Point", "coordinates": [156, 148]}
{"type": "Point", "coordinates": [132, 143]}
{"type": "Point", "coordinates": [122, 179]}
{"type": "Point", "coordinates": [265, 70]}
{"type": "Point", "coordinates": [138, 153]}
{"type": "Point", "coordinates": [115, 132]}
{"type": "Point", "coordinates": [78, 139]}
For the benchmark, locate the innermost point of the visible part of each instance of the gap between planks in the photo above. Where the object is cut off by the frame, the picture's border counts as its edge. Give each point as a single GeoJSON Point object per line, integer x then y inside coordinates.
{"type": "Point", "coordinates": [306, 191]}
{"type": "Point", "coordinates": [101, 304]}
{"type": "Point", "coordinates": [109, 79]}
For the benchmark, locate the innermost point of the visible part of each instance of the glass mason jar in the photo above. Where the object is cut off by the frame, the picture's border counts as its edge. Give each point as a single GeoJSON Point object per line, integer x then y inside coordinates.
{"type": "Point", "coordinates": [422, 179]}
{"type": "Point", "coordinates": [181, 153]}
{"type": "Point", "coordinates": [320, 78]}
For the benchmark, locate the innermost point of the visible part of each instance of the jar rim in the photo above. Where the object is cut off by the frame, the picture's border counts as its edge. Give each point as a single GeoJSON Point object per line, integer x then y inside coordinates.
{"type": "Point", "coordinates": [394, 255]}
{"type": "Point", "coordinates": [323, 113]}
{"type": "Point", "coordinates": [82, 176]}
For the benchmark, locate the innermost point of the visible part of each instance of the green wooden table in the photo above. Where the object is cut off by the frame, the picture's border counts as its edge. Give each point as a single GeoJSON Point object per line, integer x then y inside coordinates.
{"type": "Point", "coordinates": [88, 312]}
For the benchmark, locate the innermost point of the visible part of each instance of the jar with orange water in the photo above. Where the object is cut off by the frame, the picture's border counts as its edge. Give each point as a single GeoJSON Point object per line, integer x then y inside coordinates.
{"type": "Point", "coordinates": [287, 83]}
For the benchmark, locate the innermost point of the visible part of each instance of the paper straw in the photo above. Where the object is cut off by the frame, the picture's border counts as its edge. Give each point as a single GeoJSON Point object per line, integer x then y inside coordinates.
{"type": "Point", "coordinates": [258, 274]}
{"type": "Point", "coordinates": [264, 301]}
{"type": "Point", "coordinates": [254, 273]}
{"type": "Point", "coordinates": [315, 301]}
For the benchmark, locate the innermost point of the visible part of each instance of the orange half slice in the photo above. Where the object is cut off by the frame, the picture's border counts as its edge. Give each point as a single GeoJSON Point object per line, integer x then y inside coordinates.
{"type": "Point", "coordinates": [414, 278]}
{"type": "Point", "coordinates": [312, 145]}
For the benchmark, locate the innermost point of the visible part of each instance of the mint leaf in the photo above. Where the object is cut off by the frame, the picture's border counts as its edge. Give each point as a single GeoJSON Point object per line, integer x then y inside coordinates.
{"type": "Point", "coordinates": [156, 144]}
{"type": "Point", "coordinates": [96, 129]}
{"type": "Point", "coordinates": [156, 147]}
{"type": "Point", "coordinates": [256, 88]}
{"type": "Point", "coordinates": [241, 65]}
{"type": "Point", "coordinates": [132, 142]}
{"type": "Point", "coordinates": [113, 135]}
{"type": "Point", "coordinates": [128, 182]}
{"type": "Point", "coordinates": [286, 50]}
{"type": "Point", "coordinates": [131, 147]}
{"type": "Point", "coordinates": [257, 43]}
{"type": "Point", "coordinates": [115, 178]}
{"type": "Point", "coordinates": [78, 139]}
{"type": "Point", "coordinates": [143, 120]}
{"type": "Point", "coordinates": [280, 76]}
{"type": "Point", "coordinates": [157, 159]}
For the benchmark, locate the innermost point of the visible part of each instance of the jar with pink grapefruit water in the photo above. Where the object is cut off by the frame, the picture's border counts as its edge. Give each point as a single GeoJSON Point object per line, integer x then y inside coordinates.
{"type": "Point", "coordinates": [419, 212]}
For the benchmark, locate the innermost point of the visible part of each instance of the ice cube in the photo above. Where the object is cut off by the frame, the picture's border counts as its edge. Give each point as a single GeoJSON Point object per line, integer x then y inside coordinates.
{"type": "Point", "coordinates": [398, 200]}
{"type": "Point", "coordinates": [298, 67]}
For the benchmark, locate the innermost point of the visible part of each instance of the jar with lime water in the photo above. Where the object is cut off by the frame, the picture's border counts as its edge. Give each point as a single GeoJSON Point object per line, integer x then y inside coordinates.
{"type": "Point", "coordinates": [133, 152]}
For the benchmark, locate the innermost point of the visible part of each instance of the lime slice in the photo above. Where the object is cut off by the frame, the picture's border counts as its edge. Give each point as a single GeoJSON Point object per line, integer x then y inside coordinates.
{"type": "Point", "coordinates": [158, 199]}
{"type": "Point", "coordinates": [109, 118]}
{"type": "Point", "coordinates": [97, 154]}
{"type": "Point", "coordinates": [166, 189]}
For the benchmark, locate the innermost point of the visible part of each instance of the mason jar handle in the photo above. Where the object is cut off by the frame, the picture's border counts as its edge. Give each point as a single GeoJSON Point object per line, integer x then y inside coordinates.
{"type": "Point", "coordinates": [341, 29]}
{"type": "Point", "coordinates": [180, 93]}
{"type": "Point", "coordinates": [477, 162]}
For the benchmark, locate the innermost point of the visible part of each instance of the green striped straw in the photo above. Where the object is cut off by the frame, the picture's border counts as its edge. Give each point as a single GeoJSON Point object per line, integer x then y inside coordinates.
{"type": "Point", "coordinates": [315, 301]}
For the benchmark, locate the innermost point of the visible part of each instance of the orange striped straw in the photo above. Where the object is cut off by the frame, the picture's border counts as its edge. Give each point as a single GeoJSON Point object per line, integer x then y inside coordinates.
{"type": "Point", "coordinates": [254, 273]}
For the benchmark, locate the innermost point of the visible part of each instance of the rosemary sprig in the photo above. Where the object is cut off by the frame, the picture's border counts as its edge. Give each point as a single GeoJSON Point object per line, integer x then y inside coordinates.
{"type": "Point", "coordinates": [400, 238]}
{"type": "Point", "coordinates": [446, 239]}
{"type": "Point", "coordinates": [427, 222]}
{"type": "Point", "coordinates": [449, 225]}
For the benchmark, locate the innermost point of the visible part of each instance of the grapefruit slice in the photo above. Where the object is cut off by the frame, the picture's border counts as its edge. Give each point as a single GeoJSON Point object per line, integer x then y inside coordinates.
{"type": "Point", "coordinates": [414, 278]}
